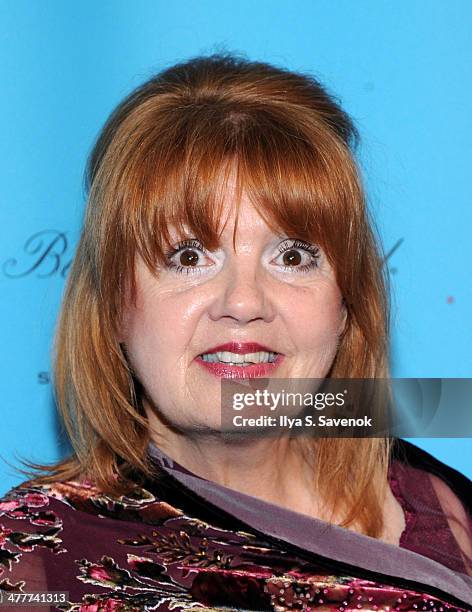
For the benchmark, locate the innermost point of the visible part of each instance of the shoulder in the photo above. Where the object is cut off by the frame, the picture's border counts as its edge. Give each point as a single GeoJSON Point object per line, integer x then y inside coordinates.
{"type": "Point", "coordinates": [32, 518]}
{"type": "Point", "coordinates": [419, 470]}
{"type": "Point", "coordinates": [59, 531]}
{"type": "Point", "coordinates": [58, 503]}
{"type": "Point", "coordinates": [28, 527]}
{"type": "Point", "coordinates": [29, 500]}
{"type": "Point", "coordinates": [436, 500]}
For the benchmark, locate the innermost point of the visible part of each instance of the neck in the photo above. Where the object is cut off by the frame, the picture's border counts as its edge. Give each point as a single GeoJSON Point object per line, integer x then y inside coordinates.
{"type": "Point", "coordinates": [276, 470]}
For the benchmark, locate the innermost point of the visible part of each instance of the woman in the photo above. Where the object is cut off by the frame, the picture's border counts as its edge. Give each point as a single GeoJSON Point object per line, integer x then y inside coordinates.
{"type": "Point", "coordinates": [226, 237]}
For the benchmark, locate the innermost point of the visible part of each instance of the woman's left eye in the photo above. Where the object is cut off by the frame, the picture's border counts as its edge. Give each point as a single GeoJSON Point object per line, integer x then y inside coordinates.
{"type": "Point", "coordinates": [290, 254]}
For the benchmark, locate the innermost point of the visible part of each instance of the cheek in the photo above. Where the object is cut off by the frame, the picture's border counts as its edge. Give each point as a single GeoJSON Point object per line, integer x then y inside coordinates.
{"type": "Point", "coordinates": [157, 333]}
{"type": "Point", "coordinates": [316, 316]}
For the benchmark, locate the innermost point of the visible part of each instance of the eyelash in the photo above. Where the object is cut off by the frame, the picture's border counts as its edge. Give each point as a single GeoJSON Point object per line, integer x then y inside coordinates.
{"type": "Point", "coordinates": [287, 245]}
{"type": "Point", "coordinates": [314, 251]}
{"type": "Point", "coordinates": [186, 244]}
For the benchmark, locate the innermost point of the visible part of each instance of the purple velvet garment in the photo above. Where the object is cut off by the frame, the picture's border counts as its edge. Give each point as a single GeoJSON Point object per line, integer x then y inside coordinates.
{"type": "Point", "coordinates": [430, 528]}
{"type": "Point", "coordinates": [182, 542]}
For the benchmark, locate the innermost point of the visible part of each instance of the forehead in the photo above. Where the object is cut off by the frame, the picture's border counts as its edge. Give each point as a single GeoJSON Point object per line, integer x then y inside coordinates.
{"type": "Point", "coordinates": [242, 219]}
{"type": "Point", "coordinates": [238, 216]}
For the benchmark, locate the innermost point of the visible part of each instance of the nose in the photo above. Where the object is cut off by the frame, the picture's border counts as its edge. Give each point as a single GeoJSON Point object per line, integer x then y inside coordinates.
{"type": "Point", "coordinates": [243, 295]}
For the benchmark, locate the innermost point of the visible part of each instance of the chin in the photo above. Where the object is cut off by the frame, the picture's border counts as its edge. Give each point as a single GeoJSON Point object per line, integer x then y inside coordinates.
{"type": "Point", "coordinates": [208, 426]}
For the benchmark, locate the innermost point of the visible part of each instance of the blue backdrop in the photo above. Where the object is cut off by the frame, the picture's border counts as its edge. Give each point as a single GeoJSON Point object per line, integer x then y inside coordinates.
{"type": "Point", "coordinates": [402, 70]}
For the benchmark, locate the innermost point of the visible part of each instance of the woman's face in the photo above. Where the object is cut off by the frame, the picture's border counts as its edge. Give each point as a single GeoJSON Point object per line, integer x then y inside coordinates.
{"type": "Point", "coordinates": [272, 290]}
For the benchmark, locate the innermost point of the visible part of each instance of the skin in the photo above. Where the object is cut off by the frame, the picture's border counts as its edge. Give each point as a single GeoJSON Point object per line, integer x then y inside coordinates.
{"type": "Point", "coordinates": [243, 294]}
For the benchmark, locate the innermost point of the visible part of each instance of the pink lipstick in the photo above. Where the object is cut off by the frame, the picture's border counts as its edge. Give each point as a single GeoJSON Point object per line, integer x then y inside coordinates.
{"type": "Point", "coordinates": [254, 370]}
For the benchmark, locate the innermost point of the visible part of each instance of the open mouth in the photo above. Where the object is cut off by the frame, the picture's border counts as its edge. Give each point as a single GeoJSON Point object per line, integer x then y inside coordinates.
{"type": "Point", "coordinates": [241, 360]}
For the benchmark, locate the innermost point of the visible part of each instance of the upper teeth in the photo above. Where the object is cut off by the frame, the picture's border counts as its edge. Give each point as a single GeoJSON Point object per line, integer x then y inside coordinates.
{"type": "Point", "coordinates": [232, 358]}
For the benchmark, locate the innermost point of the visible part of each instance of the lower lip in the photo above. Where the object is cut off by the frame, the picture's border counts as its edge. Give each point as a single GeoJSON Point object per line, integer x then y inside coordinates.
{"type": "Point", "coordinates": [224, 370]}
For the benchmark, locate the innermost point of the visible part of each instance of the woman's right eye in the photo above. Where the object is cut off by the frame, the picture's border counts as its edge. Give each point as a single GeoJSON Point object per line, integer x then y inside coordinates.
{"type": "Point", "coordinates": [187, 254]}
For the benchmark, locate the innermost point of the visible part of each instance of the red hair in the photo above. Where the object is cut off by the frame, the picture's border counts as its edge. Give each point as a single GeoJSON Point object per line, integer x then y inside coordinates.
{"type": "Point", "coordinates": [157, 161]}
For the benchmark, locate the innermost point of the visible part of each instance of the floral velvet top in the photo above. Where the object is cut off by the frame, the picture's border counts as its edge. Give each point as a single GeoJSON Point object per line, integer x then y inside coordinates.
{"type": "Point", "coordinates": [181, 542]}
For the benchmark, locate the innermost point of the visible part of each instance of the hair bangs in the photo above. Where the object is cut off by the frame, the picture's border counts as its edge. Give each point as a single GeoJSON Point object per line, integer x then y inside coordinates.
{"type": "Point", "coordinates": [302, 184]}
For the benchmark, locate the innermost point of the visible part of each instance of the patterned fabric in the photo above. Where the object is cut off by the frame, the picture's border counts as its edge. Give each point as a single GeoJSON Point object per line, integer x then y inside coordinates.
{"type": "Point", "coordinates": [165, 548]}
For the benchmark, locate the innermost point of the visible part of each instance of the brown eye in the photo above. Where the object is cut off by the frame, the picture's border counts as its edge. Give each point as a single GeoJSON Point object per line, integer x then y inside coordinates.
{"type": "Point", "coordinates": [298, 256]}
{"type": "Point", "coordinates": [188, 258]}
{"type": "Point", "coordinates": [292, 258]}
{"type": "Point", "coordinates": [185, 257]}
